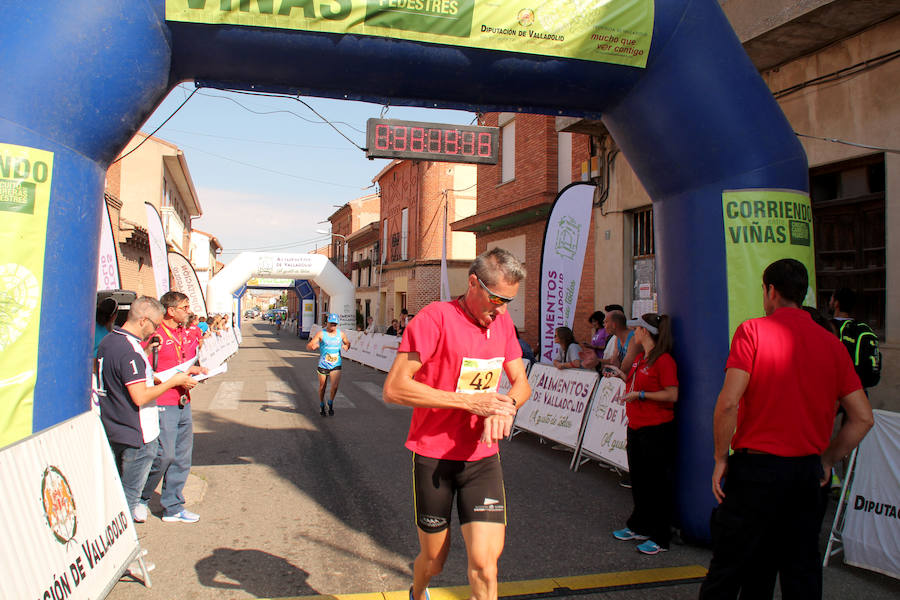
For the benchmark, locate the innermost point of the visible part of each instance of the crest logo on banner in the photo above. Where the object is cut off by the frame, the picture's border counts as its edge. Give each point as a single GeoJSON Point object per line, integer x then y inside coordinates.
{"type": "Point", "coordinates": [565, 243]}
{"type": "Point", "coordinates": [59, 505]}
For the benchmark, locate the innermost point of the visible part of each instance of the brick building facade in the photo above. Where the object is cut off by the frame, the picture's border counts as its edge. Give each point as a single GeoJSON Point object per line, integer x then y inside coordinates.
{"type": "Point", "coordinates": [514, 201]}
{"type": "Point", "coordinates": [414, 197]}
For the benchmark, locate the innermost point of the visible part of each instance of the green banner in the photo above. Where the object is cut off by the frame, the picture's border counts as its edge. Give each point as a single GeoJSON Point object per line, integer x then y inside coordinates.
{"type": "Point", "coordinates": [762, 226]}
{"type": "Point", "coordinates": [611, 31]}
{"type": "Point", "coordinates": [25, 175]}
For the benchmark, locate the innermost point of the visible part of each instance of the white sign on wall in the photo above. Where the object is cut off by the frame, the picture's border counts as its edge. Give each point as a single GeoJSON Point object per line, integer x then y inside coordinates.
{"type": "Point", "coordinates": [559, 400]}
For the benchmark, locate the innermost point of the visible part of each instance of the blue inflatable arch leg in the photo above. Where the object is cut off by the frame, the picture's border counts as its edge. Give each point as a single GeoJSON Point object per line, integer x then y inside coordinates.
{"type": "Point", "coordinates": [696, 121]}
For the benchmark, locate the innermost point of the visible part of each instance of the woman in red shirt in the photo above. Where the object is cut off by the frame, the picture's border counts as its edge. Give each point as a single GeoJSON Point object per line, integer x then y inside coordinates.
{"type": "Point", "coordinates": [652, 390]}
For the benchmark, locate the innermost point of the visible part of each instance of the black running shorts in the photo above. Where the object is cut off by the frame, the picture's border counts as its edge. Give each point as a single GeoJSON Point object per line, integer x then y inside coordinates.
{"type": "Point", "coordinates": [478, 486]}
{"type": "Point", "coordinates": [322, 371]}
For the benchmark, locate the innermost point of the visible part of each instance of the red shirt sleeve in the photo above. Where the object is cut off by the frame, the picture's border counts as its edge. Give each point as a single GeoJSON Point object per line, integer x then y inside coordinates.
{"type": "Point", "coordinates": [421, 335]}
{"type": "Point", "coordinates": [743, 348]}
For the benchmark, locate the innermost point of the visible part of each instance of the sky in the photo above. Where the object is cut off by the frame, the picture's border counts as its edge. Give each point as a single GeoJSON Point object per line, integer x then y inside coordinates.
{"type": "Point", "coordinates": [268, 170]}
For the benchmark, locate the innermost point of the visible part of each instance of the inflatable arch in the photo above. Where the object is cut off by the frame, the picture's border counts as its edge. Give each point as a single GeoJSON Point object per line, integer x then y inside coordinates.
{"type": "Point", "coordinates": [221, 288]}
{"type": "Point", "coordinates": [684, 103]}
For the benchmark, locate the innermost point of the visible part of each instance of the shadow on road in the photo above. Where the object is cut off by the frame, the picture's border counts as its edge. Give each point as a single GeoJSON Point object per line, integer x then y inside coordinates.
{"type": "Point", "coordinates": [256, 572]}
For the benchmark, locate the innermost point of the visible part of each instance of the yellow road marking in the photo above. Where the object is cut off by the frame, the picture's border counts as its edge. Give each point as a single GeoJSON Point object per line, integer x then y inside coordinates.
{"type": "Point", "coordinates": [536, 586]}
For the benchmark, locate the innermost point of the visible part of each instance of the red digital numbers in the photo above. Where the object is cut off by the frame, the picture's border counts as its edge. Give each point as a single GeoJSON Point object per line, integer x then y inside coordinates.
{"type": "Point", "coordinates": [484, 144]}
{"type": "Point", "coordinates": [451, 142]}
{"type": "Point", "coordinates": [382, 137]}
{"type": "Point", "coordinates": [417, 139]}
{"type": "Point", "coordinates": [433, 141]}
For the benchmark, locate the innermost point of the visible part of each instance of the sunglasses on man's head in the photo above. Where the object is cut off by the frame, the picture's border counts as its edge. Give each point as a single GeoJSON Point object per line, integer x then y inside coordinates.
{"type": "Point", "coordinates": [492, 297]}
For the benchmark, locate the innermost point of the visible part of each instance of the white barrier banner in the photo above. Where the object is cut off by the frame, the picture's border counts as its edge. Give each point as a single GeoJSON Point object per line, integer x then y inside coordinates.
{"type": "Point", "coordinates": [606, 430]}
{"type": "Point", "coordinates": [375, 350]}
{"type": "Point", "coordinates": [64, 521]}
{"type": "Point", "coordinates": [218, 347]}
{"type": "Point", "coordinates": [871, 534]}
{"type": "Point", "coordinates": [559, 399]}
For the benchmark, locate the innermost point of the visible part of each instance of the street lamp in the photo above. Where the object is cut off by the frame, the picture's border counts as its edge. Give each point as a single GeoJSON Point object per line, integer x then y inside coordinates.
{"type": "Point", "coordinates": [326, 232]}
{"type": "Point", "coordinates": [331, 233]}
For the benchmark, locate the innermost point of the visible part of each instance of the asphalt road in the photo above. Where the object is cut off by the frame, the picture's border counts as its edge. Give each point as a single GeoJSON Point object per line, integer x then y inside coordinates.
{"type": "Point", "coordinates": [294, 504]}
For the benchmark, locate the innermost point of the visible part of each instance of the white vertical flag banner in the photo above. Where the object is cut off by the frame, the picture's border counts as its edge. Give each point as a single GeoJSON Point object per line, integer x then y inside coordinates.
{"type": "Point", "coordinates": [157, 250]}
{"type": "Point", "coordinates": [565, 242]}
{"type": "Point", "coordinates": [184, 280]}
{"type": "Point", "coordinates": [108, 265]}
{"type": "Point", "coordinates": [871, 534]}
{"type": "Point", "coordinates": [445, 279]}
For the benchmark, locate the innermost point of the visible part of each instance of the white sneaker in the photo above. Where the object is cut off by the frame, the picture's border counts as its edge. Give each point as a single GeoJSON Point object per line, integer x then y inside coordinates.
{"type": "Point", "coordinates": [185, 516]}
{"type": "Point", "coordinates": [139, 514]}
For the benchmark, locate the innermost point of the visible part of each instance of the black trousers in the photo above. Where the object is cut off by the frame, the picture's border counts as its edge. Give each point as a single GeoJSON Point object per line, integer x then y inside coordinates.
{"type": "Point", "coordinates": [767, 525]}
{"type": "Point", "coordinates": [651, 464]}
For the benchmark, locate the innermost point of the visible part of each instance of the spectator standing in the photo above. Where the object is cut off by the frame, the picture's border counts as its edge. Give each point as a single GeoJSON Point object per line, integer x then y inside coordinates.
{"type": "Point", "coordinates": [652, 390]}
{"type": "Point", "coordinates": [193, 337]}
{"type": "Point", "coordinates": [176, 427]}
{"type": "Point", "coordinates": [599, 335]}
{"type": "Point", "coordinates": [527, 351]}
{"type": "Point", "coordinates": [567, 357]}
{"type": "Point", "coordinates": [619, 351]}
{"type": "Point", "coordinates": [404, 321]}
{"type": "Point", "coordinates": [128, 398]}
{"type": "Point", "coordinates": [392, 330]}
{"type": "Point", "coordinates": [447, 368]}
{"type": "Point", "coordinates": [105, 320]}
{"type": "Point", "coordinates": [858, 337]}
{"type": "Point", "coordinates": [783, 378]}
{"type": "Point", "coordinates": [203, 325]}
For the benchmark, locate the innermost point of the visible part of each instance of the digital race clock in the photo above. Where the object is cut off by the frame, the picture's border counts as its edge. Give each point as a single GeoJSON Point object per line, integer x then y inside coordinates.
{"type": "Point", "coordinates": [389, 138]}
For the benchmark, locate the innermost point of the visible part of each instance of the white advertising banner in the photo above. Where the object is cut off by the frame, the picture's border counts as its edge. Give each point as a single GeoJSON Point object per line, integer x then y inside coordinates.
{"type": "Point", "coordinates": [184, 280]}
{"type": "Point", "coordinates": [871, 535]}
{"type": "Point", "coordinates": [108, 265]}
{"type": "Point", "coordinates": [606, 429]}
{"type": "Point", "coordinates": [565, 242]}
{"type": "Point", "coordinates": [158, 253]}
{"type": "Point", "coordinates": [375, 350]}
{"type": "Point", "coordinates": [64, 522]}
{"type": "Point", "coordinates": [559, 400]}
{"type": "Point", "coordinates": [218, 347]}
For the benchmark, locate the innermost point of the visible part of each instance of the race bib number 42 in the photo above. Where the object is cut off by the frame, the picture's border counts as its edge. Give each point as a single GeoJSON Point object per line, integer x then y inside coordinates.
{"type": "Point", "coordinates": [478, 375]}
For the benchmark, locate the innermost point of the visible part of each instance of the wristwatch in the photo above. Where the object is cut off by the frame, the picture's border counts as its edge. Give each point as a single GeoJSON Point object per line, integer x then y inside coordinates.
{"type": "Point", "coordinates": [642, 395]}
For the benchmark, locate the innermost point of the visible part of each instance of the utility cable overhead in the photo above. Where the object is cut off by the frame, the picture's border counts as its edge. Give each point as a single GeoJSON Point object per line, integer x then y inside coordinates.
{"type": "Point", "coordinates": [180, 106]}
{"type": "Point", "coordinates": [252, 141]}
{"type": "Point", "coordinates": [848, 143]}
{"type": "Point", "coordinates": [310, 179]}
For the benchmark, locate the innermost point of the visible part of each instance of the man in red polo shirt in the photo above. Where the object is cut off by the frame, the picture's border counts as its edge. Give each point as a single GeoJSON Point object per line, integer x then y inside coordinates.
{"type": "Point", "coordinates": [176, 426]}
{"type": "Point", "coordinates": [784, 378]}
{"type": "Point", "coordinates": [447, 368]}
